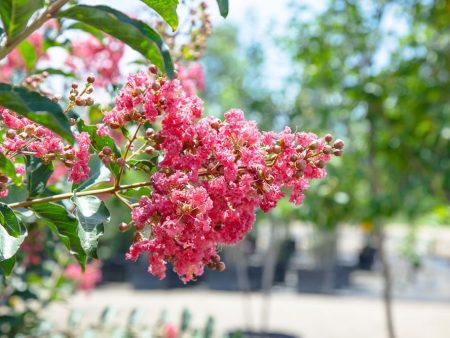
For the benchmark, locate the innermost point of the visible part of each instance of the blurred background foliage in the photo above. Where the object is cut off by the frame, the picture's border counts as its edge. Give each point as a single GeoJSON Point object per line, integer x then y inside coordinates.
{"type": "Point", "coordinates": [374, 73]}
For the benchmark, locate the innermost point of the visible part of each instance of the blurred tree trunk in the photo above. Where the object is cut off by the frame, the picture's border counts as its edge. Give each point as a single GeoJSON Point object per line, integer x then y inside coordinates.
{"type": "Point", "coordinates": [374, 110]}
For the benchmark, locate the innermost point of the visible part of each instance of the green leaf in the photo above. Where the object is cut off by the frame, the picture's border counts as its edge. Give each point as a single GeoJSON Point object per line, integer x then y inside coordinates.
{"type": "Point", "coordinates": [167, 9]}
{"type": "Point", "coordinates": [134, 33]}
{"type": "Point", "coordinates": [64, 225]}
{"type": "Point", "coordinates": [92, 214]}
{"type": "Point", "coordinates": [7, 265]}
{"type": "Point", "coordinates": [88, 29]}
{"type": "Point", "coordinates": [98, 174]}
{"type": "Point", "coordinates": [28, 52]}
{"type": "Point", "coordinates": [38, 174]}
{"type": "Point", "coordinates": [8, 168]}
{"type": "Point", "coordinates": [37, 108]}
{"type": "Point", "coordinates": [99, 142]}
{"type": "Point", "coordinates": [223, 7]}
{"type": "Point", "coordinates": [16, 13]}
{"type": "Point", "coordinates": [12, 234]}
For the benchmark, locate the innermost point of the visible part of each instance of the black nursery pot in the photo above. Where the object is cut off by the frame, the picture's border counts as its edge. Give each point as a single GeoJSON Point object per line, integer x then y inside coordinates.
{"type": "Point", "coordinates": [258, 334]}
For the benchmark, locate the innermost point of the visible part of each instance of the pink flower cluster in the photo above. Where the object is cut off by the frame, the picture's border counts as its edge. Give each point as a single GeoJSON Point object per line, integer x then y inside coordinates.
{"type": "Point", "coordinates": [86, 280]}
{"type": "Point", "coordinates": [15, 61]}
{"type": "Point", "coordinates": [24, 137]}
{"type": "Point", "coordinates": [192, 78]}
{"type": "Point", "coordinates": [90, 55]}
{"type": "Point", "coordinates": [212, 176]}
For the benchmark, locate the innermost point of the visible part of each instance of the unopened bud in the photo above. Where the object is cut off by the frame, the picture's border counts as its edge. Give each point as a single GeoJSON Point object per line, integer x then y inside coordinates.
{"type": "Point", "coordinates": [338, 144]}
{"type": "Point", "coordinates": [337, 152]}
{"type": "Point", "coordinates": [149, 150]}
{"type": "Point", "coordinates": [320, 164]}
{"type": "Point", "coordinates": [11, 133]}
{"type": "Point", "coordinates": [3, 179]}
{"type": "Point", "coordinates": [121, 162]}
{"type": "Point", "coordinates": [153, 69]}
{"type": "Point", "coordinates": [89, 101]}
{"type": "Point", "coordinates": [124, 226]}
{"type": "Point", "coordinates": [328, 138]}
{"type": "Point", "coordinates": [156, 86]}
{"type": "Point", "coordinates": [327, 149]}
{"type": "Point", "coordinates": [107, 150]}
{"type": "Point", "coordinates": [91, 78]}
{"type": "Point", "coordinates": [149, 132]}
{"type": "Point", "coordinates": [80, 101]}
{"type": "Point", "coordinates": [313, 145]}
{"type": "Point", "coordinates": [277, 149]}
{"type": "Point", "coordinates": [300, 164]}
{"type": "Point", "coordinates": [220, 266]}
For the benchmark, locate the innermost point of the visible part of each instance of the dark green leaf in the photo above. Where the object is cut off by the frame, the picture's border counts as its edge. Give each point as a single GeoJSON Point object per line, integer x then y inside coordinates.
{"type": "Point", "coordinates": [28, 52]}
{"type": "Point", "coordinates": [98, 142]}
{"type": "Point", "coordinates": [12, 234]}
{"type": "Point", "coordinates": [64, 225]}
{"type": "Point", "coordinates": [88, 29]}
{"type": "Point", "coordinates": [98, 173]}
{"type": "Point", "coordinates": [167, 9]}
{"type": "Point", "coordinates": [7, 265]}
{"type": "Point", "coordinates": [37, 108]}
{"type": "Point", "coordinates": [7, 168]}
{"type": "Point", "coordinates": [134, 33]}
{"type": "Point", "coordinates": [38, 174]}
{"type": "Point", "coordinates": [16, 13]}
{"type": "Point", "coordinates": [92, 214]}
{"type": "Point", "coordinates": [223, 7]}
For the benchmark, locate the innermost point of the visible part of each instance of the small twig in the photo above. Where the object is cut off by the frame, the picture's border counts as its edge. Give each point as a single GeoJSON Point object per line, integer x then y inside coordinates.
{"type": "Point", "coordinates": [60, 197]}
{"type": "Point", "coordinates": [49, 13]}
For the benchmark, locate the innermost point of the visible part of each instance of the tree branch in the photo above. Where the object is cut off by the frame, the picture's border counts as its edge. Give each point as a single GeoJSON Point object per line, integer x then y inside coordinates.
{"type": "Point", "coordinates": [49, 13]}
{"type": "Point", "coordinates": [60, 197]}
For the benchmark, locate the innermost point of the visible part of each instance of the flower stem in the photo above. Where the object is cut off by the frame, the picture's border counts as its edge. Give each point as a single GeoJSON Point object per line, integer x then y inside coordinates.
{"type": "Point", "coordinates": [60, 197]}
{"type": "Point", "coordinates": [130, 143]}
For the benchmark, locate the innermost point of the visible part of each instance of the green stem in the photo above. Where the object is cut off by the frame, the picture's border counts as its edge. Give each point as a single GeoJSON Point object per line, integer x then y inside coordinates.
{"type": "Point", "coordinates": [60, 197]}
{"type": "Point", "coordinates": [49, 13]}
{"type": "Point", "coordinates": [126, 153]}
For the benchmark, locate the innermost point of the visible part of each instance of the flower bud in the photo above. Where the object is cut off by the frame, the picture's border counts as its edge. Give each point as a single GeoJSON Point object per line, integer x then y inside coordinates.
{"type": "Point", "coordinates": [11, 133]}
{"type": "Point", "coordinates": [277, 149]}
{"type": "Point", "coordinates": [80, 101]}
{"type": "Point", "coordinates": [3, 179]}
{"type": "Point", "coordinates": [156, 86]}
{"type": "Point", "coordinates": [124, 226]}
{"type": "Point", "coordinates": [121, 162]}
{"type": "Point", "coordinates": [149, 132]}
{"type": "Point", "coordinates": [106, 160]}
{"type": "Point", "coordinates": [300, 164]}
{"type": "Point", "coordinates": [149, 150]}
{"type": "Point", "coordinates": [313, 145]}
{"type": "Point", "coordinates": [320, 164]}
{"type": "Point", "coordinates": [328, 138]}
{"type": "Point", "coordinates": [220, 266]}
{"type": "Point", "coordinates": [89, 101]}
{"type": "Point", "coordinates": [338, 144]}
{"type": "Point", "coordinates": [327, 149]}
{"type": "Point", "coordinates": [72, 121]}
{"type": "Point", "coordinates": [153, 69]}
{"type": "Point", "coordinates": [91, 78]}
{"type": "Point", "coordinates": [107, 150]}
{"type": "Point", "coordinates": [337, 152]}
